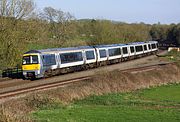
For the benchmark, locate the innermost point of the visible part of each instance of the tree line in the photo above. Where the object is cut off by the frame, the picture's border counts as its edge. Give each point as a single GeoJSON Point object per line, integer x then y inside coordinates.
{"type": "Point", "coordinates": [22, 28]}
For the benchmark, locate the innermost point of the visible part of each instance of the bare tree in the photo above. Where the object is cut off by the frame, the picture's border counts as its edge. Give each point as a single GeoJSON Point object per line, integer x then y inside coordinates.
{"type": "Point", "coordinates": [16, 8]}
{"type": "Point", "coordinates": [49, 14]}
{"type": "Point", "coordinates": [11, 35]}
{"type": "Point", "coordinates": [53, 15]}
{"type": "Point", "coordinates": [60, 24]}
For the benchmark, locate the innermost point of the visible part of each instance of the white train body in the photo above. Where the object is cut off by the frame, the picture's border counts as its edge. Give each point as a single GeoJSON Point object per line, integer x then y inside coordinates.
{"type": "Point", "coordinates": [38, 63]}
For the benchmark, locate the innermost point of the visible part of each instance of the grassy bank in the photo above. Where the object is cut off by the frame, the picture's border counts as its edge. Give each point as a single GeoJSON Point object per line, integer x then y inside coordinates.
{"type": "Point", "coordinates": [62, 104]}
{"type": "Point", "coordinates": [155, 104]}
{"type": "Point", "coordinates": [171, 56]}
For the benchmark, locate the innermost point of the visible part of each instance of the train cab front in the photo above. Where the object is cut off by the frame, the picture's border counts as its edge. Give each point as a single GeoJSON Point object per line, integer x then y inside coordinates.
{"type": "Point", "coordinates": [31, 66]}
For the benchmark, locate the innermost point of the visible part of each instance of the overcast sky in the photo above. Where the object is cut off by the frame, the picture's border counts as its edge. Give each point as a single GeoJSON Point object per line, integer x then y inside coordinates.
{"type": "Point", "coordinates": [131, 11]}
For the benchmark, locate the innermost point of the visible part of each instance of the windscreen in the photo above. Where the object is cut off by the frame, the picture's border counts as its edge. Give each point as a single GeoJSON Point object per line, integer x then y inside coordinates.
{"type": "Point", "coordinates": [32, 59]}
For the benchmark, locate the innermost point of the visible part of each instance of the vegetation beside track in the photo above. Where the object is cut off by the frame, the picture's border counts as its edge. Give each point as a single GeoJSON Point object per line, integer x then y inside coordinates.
{"type": "Point", "coordinates": [171, 56]}
{"type": "Point", "coordinates": [104, 83]}
{"type": "Point", "coordinates": [155, 104]}
{"type": "Point", "coordinates": [24, 28]}
{"type": "Point", "coordinates": [174, 55]}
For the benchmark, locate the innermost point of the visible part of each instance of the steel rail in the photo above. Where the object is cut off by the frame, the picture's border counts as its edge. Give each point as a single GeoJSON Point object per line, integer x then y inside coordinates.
{"type": "Point", "coordinates": [41, 87]}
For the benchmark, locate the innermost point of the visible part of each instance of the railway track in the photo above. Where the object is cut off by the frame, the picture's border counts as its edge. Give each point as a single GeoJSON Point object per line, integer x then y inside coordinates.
{"type": "Point", "coordinates": [50, 85]}
{"type": "Point", "coordinates": [41, 87]}
{"type": "Point", "coordinates": [5, 79]}
{"type": "Point", "coordinates": [146, 68]}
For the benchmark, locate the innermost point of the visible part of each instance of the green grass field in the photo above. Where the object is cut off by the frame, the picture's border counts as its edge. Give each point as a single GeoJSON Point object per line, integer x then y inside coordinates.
{"type": "Point", "coordinates": [161, 104]}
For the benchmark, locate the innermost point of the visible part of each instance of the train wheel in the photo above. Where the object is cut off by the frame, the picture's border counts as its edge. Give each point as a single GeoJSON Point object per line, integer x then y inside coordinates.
{"type": "Point", "coordinates": [48, 73]}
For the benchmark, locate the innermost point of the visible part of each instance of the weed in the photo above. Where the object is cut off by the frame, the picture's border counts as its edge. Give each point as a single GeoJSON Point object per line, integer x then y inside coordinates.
{"type": "Point", "coordinates": [40, 101]}
{"type": "Point", "coordinates": [7, 115]}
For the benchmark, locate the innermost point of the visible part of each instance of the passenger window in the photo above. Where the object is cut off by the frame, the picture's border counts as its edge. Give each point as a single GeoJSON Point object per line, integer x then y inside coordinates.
{"type": "Point", "coordinates": [71, 57]}
{"type": "Point", "coordinates": [145, 47]}
{"type": "Point", "coordinates": [102, 53]}
{"type": "Point", "coordinates": [153, 46]}
{"type": "Point", "coordinates": [149, 46]}
{"type": "Point", "coordinates": [139, 48]}
{"type": "Point", "coordinates": [132, 49]}
{"type": "Point", "coordinates": [114, 52]}
{"type": "Point", "coordinates": [49, 60]}
{"type": "Point", "coordinates": [90, 55]}
{"type": "Point", "coordinates": [125, 51]}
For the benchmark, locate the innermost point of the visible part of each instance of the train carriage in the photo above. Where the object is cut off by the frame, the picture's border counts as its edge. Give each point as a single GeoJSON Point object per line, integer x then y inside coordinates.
{"type": "Point", "coordinates": [48, 62]}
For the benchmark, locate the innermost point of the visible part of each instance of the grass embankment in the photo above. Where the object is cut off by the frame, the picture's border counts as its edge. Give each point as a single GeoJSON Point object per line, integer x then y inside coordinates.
{"type": "Point", "coordinates": [156, 104]}
{"type": "Point", "coordinates": [119, 106]}
{"type": "Point", "coordinates": [171, 56]}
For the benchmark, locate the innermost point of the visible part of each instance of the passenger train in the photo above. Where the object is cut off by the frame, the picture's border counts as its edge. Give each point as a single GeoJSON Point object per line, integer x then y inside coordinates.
{"type": "Point", "coordinates": [49, 62]}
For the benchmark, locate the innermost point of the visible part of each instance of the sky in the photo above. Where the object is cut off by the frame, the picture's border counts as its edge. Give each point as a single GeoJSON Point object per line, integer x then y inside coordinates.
{"type": "Point", "coordinates": [130, 11]}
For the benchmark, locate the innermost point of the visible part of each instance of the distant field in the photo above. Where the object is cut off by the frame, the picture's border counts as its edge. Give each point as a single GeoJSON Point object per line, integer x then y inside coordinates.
{"type": "Point", "coordinates": [155, 104]}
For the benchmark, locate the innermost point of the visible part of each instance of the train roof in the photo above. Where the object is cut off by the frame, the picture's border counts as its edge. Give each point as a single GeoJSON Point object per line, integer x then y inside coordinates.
{"type": "Point", "coordinates": [85, 47]}
{"type": "Point", "coordinates": [153, 41]}
{"type": "Point", "coordinates": [136, 43]}
{"type": "Point", "coordinates": [72, 48]}
{"type": "Point", "coordinates": [110, 45]}
{"type": "Point", "coordinates": [60, 49]}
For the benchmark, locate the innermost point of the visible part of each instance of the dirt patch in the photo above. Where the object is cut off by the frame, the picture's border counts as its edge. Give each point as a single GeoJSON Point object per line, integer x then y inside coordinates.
{"type": "Point", "coordinates": [103, 82]}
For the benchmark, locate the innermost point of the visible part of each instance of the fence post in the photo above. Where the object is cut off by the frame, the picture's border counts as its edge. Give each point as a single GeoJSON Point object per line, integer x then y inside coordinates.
{"type": "Point", "coordinates": [11, 72]}
{"type": "Point", "coordinates": [17, 70]}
